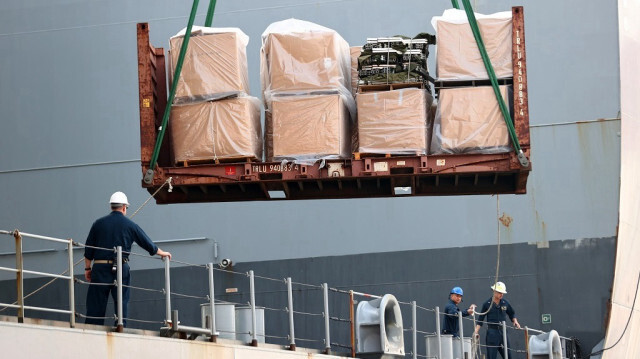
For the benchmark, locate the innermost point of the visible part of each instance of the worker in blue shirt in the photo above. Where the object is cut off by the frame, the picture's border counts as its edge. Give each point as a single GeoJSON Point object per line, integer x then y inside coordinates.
{"type": "Point", "coordinates": [111, 231]}
{"type": "Point", "coordinates": [450, 322]}
{"type": "Point", "coordinates": [495, 311]}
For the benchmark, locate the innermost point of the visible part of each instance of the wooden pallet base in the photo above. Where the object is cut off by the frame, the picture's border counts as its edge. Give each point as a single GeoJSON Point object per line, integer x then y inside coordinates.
{"type": "Point", "coordinates": [443, 84]}
{"type": "Point", "coordinates": [389, 87]}
{"type": "Point", "coordinates": [219, 160]}
{"type": "Point", "coordinates": [360, 155]}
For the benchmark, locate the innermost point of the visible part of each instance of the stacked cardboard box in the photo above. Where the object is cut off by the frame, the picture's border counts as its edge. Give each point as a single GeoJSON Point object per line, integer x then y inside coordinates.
{"type": "Point", "coordinates": [214, 66]}
{"type": "Point", "coordinates": [457, 54]}
{"type": "Point", "coordinates": [306, 83]}
{"type": "Point", "coordinates": [393, 122]}
{"type": "Point", "coordinates": [308, 127]}
{"type": "Point", "coordinates": [217, 129]}
{"type": "Point", "coordinates": [468, 119]}
{"type": "Point", "coordinates": [212, 117]}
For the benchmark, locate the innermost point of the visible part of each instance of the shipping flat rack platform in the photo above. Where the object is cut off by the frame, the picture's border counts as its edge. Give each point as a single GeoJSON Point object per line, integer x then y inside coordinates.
{"type": "Point", "coordinates": [364, 178]}
{"type": "Point", "coordinates": [397, 176]}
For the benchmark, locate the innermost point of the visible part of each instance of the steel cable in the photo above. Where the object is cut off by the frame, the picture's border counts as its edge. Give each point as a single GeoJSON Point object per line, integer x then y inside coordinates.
{"type": "Point", "coordinates": [140, 288]}
{"type": "Point", "coordinates": [340, 319]}
{"type": "Point", "coordinates": [305, 313]}
{"type": "Point", "coordinates": [308, 285]}
{"type": "Point", "coordinates": [308, 340]}
{"type": "Point", "coordinates": [189, 296]}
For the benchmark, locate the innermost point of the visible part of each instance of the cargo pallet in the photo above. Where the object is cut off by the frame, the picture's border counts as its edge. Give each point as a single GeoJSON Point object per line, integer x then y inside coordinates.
{"type": "Point", "coordinates": [430, 175]}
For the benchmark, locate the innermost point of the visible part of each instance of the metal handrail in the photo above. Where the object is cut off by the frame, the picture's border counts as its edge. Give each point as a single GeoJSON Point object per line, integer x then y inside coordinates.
{"type": "Point", "coordinates": [20, 271]}
{"type": "Point", "coordinates": [211, 331]}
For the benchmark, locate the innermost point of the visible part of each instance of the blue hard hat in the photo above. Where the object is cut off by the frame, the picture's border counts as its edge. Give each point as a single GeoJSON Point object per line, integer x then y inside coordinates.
{"type": "Point", "coordinates": [456, 290]}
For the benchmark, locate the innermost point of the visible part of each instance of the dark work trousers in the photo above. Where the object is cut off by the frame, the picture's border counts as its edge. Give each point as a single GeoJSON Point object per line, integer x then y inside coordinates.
{"type": "Point", "coordinates": [98, 295]}
{"type": "Point", "coordinates": [493, 340]}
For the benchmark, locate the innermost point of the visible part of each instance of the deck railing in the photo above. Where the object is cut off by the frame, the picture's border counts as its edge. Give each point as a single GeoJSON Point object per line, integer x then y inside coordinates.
{"type": "Point", "coordinates": [254, 332]}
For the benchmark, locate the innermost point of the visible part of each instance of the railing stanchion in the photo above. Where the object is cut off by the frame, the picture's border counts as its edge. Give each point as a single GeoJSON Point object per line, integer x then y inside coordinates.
{"type": "Point", "coordinates": [252, 290]}
{"type": "Point", "coordinates": [414, 329]}
{"type": "Point", "coordinates": [72, 300]}
{"type": "Point", "coordinates": [327, 344]}
{"type": "Point", "coordinates": [212, 316]}
{"type": "Point", "coordinates": [167, 292]}
{"type": "Point", "coordinates": [19, 275]}
{"type": "Point", "coordinates": [526, 340]}
{"type": "Point", "coordinates": [353, 325]}
{"type": "Point", "coordinates": [120, 326]}
{"type": "Point", "coordinates": [504, 340]}
{"type": "Point", "coordinates": [438, 332]}
{"type": "Point", "coordinates": [292, 336]}
{"type": "Point", "coordinates": [461, 333]}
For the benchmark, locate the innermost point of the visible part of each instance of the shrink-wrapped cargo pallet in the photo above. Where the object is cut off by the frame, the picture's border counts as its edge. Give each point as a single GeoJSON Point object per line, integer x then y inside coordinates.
{"type": "Point", "coordinates": [300, 57]}
{"type": "Point", "coordinates": [307, 128]}
{"type": "Point", "coordinates": [457, 54]}
{"type": "Point", "coordinates": [215, 64]}
{"type": "Point", "coordinates": [217, 130]}
{"type": "Point", "coordinates": [306, 83]}
{"type": "Point", "coordinates": [468, 119]}
{"type": "Point", "coordinates": [393, 122]}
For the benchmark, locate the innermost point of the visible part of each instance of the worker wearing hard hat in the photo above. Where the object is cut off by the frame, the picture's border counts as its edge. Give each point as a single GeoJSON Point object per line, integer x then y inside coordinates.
{"type": "Point", "coordinates": [494, 312]}
{"type": "Point", "coordinates": [451, 310]}
{"type": "Point", "coordinates": [108, 232]}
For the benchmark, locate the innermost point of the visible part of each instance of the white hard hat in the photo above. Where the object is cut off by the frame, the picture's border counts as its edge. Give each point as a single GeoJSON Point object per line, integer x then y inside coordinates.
{"type": "Point", "coordinates": [499, 287]}
{"type": "Point", "coordinates": [119, 198]}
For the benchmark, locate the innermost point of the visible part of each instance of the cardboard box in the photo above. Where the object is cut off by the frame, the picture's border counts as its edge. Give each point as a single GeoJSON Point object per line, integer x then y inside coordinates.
{"type": "Point", "coordinates": [211, 130]}
{"type": "Point", "coordinates": [457, 54]}
{"type": "Point", "coordinates": [469, 119]}
{"type": "Point", "coordinates": [308, 128]}
{"type": "Point", "coordinates": [394, 121]}
{"type": "Point", "coordinates": [214, 66]}
{"type": "Point", "coordinates": [306, 61]}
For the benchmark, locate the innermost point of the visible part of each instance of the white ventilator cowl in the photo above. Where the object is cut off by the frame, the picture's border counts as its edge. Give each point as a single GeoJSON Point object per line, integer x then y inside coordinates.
{"type": "Point", "coordinates": [119, 198]}
{"type": "Point", "coordinates": [499, 287]}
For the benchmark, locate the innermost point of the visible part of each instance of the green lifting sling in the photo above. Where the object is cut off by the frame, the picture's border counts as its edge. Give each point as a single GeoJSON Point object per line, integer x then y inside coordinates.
{"type": "Point", "coordinates": [148, 177]}
{"type": "Point", "coordinates": [524, 161]}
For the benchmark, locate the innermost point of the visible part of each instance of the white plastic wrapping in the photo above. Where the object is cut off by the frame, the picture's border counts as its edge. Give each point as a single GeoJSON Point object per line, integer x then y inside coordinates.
{"type": "Point", "coordinates": [212, 130]}
{"type": "Point", "coordinates": [300, 57]}
{"type": "Point", "coordinates": [468, 119]}
{"type": "Point", "coordinates": [355, 54]}
{"type": "Point", "coordinates": [215, 64]}
{"type": "Point", "coordinates": [393, 122]}
{"type": "Point", "coordinates": [305, 129]}
{"type": "Point", "coordinates": [457, 53]}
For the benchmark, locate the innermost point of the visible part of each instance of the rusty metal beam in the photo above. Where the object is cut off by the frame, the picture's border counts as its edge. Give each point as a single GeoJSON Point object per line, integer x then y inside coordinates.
{"type": "Point", "coordinates": [520, 89]}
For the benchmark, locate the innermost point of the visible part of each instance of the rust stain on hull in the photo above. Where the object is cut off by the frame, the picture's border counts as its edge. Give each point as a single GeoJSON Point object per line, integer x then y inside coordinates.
{"type": "Point", "coordinates": [505, 220]}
